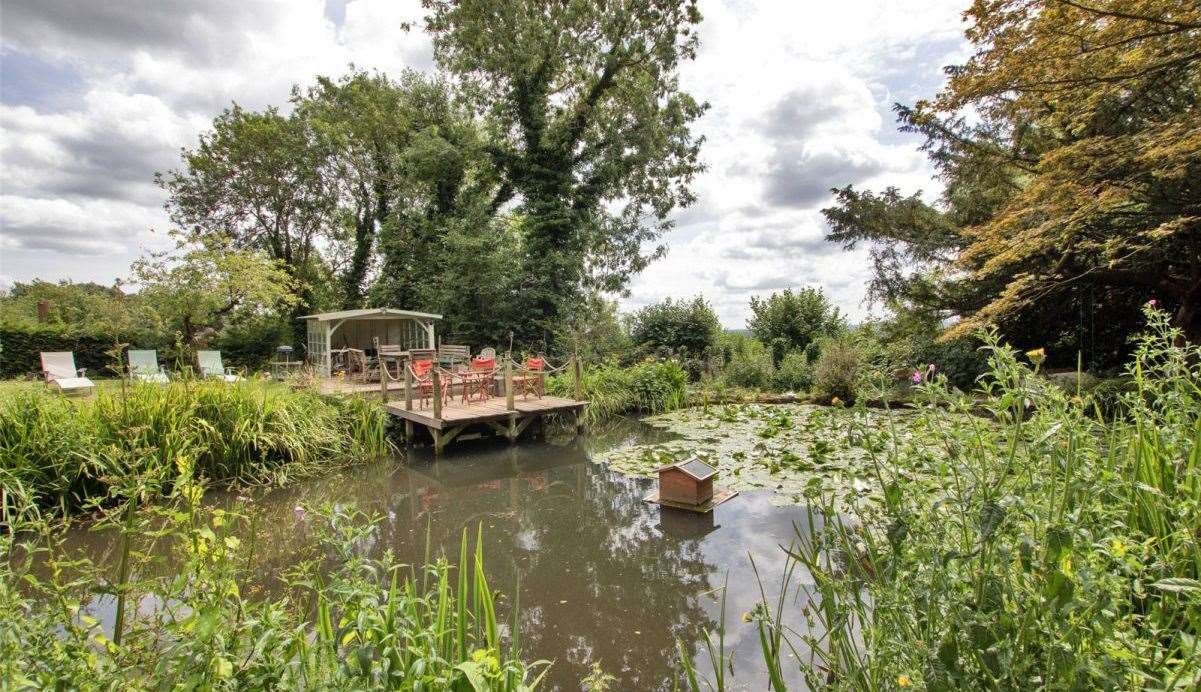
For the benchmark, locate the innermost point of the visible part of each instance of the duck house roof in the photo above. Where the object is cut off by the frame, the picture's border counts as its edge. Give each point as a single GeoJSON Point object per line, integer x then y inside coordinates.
{"type": "Point", "coordinates": [694, 467]}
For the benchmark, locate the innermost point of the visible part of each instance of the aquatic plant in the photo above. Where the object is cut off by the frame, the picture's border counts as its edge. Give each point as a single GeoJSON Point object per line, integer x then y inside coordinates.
{"type": "Point", "coordinates": [1056, 551]}
{"type": "Point", "coordinates": [65, 452]}
{"type": "Point", "coordinates": [358, 623]}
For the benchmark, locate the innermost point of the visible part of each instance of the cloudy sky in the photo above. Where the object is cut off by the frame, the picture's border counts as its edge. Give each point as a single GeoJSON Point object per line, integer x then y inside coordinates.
{"type": "Point", "coordinates": [96, 97]}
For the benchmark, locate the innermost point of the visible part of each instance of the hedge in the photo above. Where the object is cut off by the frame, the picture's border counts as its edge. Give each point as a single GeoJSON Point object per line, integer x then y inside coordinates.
{"type": "Point", "coordinates": [20, 346]}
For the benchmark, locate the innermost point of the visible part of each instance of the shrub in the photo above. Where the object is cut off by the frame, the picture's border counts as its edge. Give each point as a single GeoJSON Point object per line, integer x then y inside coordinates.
{"type": "Point", "coordinates": [789, 321]}
{"type": "Point", "coordinates": [687, 329]}
{"type": "Point", "coordinates": [648, 387]}
{"type": "Point", "coordinates": [795, 374]}
{"type": "Point", "coordinates": [749, 370]}
{"type": "Point", "coordinates": [21, 344]}
{"type": "Point", "coordinates": [836, 373]}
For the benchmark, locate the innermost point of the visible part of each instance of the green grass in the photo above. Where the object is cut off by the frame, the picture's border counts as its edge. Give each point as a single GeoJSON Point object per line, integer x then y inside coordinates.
{"type": "Point", "coordinates": [611, 390]}
{"type": "Point", "coordinates": [65, 451]}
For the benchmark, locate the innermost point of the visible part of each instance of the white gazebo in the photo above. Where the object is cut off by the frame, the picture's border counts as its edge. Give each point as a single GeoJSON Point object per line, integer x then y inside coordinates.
{"type": "Point", "coordinates": [399, 329]}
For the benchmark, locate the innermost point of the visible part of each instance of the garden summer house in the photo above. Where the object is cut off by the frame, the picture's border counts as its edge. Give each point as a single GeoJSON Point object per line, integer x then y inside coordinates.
{"type": "Point", "coordinates": [330, 332]}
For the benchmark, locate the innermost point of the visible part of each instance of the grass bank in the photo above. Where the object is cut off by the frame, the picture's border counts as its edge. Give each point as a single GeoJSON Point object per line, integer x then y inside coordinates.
{"type": "Point", "coordinates": [1040, 547]}
{"type": "Point", "coordinates": [66, 452]}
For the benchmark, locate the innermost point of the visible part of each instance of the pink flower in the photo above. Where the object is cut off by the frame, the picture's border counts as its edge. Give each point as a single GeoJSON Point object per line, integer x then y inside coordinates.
{"type": "Point", "coordinates": [1153, 302]}
{"type": "Point", "coordinates": [917, 377]}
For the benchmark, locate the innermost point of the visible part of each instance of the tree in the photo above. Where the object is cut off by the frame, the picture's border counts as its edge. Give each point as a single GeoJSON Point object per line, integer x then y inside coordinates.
{"type": "Point", "coordinates": [793, 321]}
{"type": "Point", "coordinates": [688, 329]}
{"type": "Point", "coordinates": [255, 183]}
{"type": "Point", "coordinates": [88, 307]}
{"type": "Point", "coordinates": [588, 127]}
{"type": "Point", "coordinates": [206, 280]}
{"type": "Point", "coordinates": [1074, 191]}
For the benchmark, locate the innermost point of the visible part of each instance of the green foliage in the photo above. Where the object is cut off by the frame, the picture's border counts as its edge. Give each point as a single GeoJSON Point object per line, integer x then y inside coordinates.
{"type": "Point", "coordinates": [21, 344]}
{"type": "Point", "coordinates": [65, 452]}
{"type": "Point", "coordinates": [249, 341]}
{"type": "Point", "coordinates": [909, 341]}
{"type": "Point", "coordinates": [88, 307]}
{"type": "Point", "coordinates": [355, 623]}
{"type": "Point", "coordinates": [1050, 549]}
{"type": "Point", "coordinates": [795, 373]}
{"type": "Point", "coordinates": [686, 329]}
{"type": "Point", "coordinates": [837, 370]}
{"type": "Point", "coordinates": [206, 280]}
{"type": "Point", "coordinates": [589, 128]}
{"type": "Point", "coordinates": [747, 363]}
{"type": "Point", "coordinates": [647, 387]}
{"type": "Point", "coordinates": [793, 321]}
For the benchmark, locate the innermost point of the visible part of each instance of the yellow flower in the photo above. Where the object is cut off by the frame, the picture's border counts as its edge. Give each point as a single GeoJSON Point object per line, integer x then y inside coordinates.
{"type": "Point", "coordinates": [1037, 356]}
{"type": "Point", "coordinates": [903, 681]}
{"type": "Point", "coordinates": [836, 401]}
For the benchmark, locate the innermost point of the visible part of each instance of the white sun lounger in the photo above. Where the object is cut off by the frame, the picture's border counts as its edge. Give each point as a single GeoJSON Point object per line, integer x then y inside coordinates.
{"type": "Point", "coordinates": [58, 367]}
{"type": "Point", "coordinates": [144, 366]}
{"type": "Point", "coordinates": [211, 366]}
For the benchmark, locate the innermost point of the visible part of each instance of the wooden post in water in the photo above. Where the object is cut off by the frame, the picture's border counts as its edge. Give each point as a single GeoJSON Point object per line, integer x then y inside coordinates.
{"type": "Point", "coordinates": [408, 387]}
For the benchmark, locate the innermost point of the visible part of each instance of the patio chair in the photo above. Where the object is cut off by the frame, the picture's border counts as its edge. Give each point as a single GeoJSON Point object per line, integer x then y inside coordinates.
{"type": "Point", "coordinates": [211, 366]}
{"type": "Point", "coordinates": [422, 377]}
{"type": "Point", "coordinates": [364, 367]}
{"type": "Point", "coordinates": [532, 379]}
{"type": "Point", "coordinates": [480, 379]}
{"type": "Point", "coordinates": [58, 367]}
{"type": "Point", "coordinates": [487, 352]}
{"type": "Point", "coordinates": [144, 366]}
{"type": "Point", "coordinates": [451, 355]}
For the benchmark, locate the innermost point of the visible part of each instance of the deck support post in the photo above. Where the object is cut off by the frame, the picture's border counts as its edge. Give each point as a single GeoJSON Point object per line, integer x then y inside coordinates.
{"type": "Point", "coordinates": [408, 431]}
{"type": "Point", "coordinates": [436, 381]}
{"type": "Point", "coordinates": [579, 421]}
{"type": "Point", "coordinates": [577, 372]}
{"type": "Point", "coordinates": [438, 443]}
{"type": "Point", "coordinates": [408, 387]}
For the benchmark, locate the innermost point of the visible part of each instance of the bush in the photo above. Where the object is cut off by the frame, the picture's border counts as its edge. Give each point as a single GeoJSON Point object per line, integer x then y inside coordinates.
{"type": "Point", "coordinates": [795, 374]}
{"type": "Point", "coordinates": [688, 330]}
{"type": "Point", "coordinates": [21, 344]}
{"type": "Point", "coordinates": [648, 387]}
{"type": "Point", "coordinates": [836, 373]}
{"type": "Point", "coordinates": [747, 362]}
{"type": "Point", "coordinates": [250, 343]}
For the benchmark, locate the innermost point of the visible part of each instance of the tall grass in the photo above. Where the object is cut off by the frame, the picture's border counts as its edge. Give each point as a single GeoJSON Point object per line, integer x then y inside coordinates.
{"type": "Point", "coordinates": [350, 622]}
{"type": "Point", "coordinates": [64, 452]}
{"type": "Point", "coordinates": [610, 389]}
{"type": "Point", "coordinates": [1051, 550]}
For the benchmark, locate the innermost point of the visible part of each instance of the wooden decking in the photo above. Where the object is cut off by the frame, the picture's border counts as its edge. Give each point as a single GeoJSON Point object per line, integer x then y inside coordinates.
{"type": "Point", "coordinates": [495, 413]}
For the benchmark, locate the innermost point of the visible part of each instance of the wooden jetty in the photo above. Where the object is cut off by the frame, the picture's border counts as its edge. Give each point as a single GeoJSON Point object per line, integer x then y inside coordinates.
{"type": "Point", "coordinates": [508, 415]}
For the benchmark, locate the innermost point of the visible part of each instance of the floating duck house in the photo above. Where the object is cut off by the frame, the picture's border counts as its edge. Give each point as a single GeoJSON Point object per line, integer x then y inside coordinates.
{"type": "Point", "coordinates": [688, 482]}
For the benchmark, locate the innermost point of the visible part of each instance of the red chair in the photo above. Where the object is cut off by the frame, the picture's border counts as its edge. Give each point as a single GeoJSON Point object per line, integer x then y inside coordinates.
{"type": "Point", "coordinates": [480, 379]}
{"type": "Point", "coordinates": [532, 381]}
{"type": "Point", "coordinates": [420, 370]}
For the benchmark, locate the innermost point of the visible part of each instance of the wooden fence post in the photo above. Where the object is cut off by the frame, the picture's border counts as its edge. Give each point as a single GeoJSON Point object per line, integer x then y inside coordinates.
{"type": "Point", "coordinates": [509, 406]}
{"type": "Point", "coordinates": [577, 371]}
{"type": "Point", "coordinates": [408, 387]}
{"type": "Point", "coordinates": [436, 381]}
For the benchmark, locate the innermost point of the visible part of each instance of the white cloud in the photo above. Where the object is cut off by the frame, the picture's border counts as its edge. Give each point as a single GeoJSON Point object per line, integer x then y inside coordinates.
{"type": "Point", "coordinates": [800, 96]}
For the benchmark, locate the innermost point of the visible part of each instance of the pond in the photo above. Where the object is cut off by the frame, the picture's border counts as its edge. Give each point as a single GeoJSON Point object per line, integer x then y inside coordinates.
{"type": "Point", "coordinates": [602, 576]}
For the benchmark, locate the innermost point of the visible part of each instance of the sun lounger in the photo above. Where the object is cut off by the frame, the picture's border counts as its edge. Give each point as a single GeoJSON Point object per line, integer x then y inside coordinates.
{"type": "Point", "coordinates": [58, 367]}
{"type": "Point", "coordinates": [144, 366]}
{"type": "Point", "coordinates": [211, 366]}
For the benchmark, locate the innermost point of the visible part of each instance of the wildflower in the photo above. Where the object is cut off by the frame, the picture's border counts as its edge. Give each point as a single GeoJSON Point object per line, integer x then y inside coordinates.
{"type": "Point", "coordinates": [836, 401]}
{"type": "Point", "coordinates": [1153, 302]}
{"type": "Point", "coordinates": [1037, 356]}
{"type": "Point", "coordinates": [299, 512]}
{"type": "Point", "coordinates": [903, 681]}
{"type": "Point", "coordinates": [917, 377]}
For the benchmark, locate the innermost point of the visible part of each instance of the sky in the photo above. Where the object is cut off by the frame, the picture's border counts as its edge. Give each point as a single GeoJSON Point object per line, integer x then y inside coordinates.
{"type": "Point", "coordinates": [97, 97]}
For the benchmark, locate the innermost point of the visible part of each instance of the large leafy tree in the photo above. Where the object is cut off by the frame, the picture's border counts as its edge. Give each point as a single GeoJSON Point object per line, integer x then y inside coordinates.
{"type": "Point", "coordinates": [587, 125]}
{"type": "Point", "coordinates": [256, 180]}
{"type": "Point", "coordinates": [793, 320]}
{"type": "Point", "coordinates": [1074, 188]}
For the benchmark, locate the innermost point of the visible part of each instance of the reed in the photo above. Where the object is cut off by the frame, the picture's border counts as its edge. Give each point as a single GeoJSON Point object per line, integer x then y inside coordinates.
{"type": "Point", "coordinates": [67, 452]}
{"type": "Point", "coordinates": [1053, 550]}
{"type": "Point", "coordinates": [649, 387]}
{"type": "Point", "coordinates": [356, 622]}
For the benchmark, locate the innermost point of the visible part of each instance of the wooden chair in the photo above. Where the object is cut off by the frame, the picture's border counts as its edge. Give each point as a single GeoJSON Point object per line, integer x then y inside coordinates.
{"type": "Point", "coordinates": [364, 368]}
{"type": "Point", "coordinates": [532, 381]}
{"type": "Point", "coordinates": [422, 371]}
{"type": "Point", "coordinates": [450, 355]}
{"type": "Point", "coordinates": [480, 379]}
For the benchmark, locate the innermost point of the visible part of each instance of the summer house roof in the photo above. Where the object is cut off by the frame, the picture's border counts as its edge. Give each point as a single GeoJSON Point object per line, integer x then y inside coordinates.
{"type": "Point", "coordinates": [368, 313]}
{"type": "Point", "coordinates": [694, 467]}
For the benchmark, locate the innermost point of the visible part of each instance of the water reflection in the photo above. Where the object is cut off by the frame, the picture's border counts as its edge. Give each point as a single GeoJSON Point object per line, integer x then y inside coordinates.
{"type": "Point", "coordinates": [599, 574]}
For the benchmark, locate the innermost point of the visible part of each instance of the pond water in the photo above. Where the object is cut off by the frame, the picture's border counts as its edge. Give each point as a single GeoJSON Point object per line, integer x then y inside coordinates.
{"type": "Point", "coordinates": [603, 575]}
